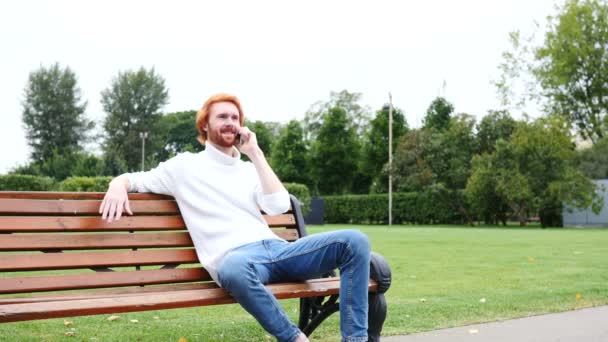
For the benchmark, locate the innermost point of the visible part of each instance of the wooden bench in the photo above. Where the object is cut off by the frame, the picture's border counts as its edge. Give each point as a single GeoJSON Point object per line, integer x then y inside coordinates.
{"type": "Point", "coordinates": [139, 263]}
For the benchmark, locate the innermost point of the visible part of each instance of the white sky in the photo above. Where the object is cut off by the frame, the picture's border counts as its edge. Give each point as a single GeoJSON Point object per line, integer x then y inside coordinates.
{"type": "Point", "coordinates": [279, 57]}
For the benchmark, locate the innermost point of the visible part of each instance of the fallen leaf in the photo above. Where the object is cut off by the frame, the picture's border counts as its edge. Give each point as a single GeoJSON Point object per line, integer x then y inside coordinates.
{"type": "Point", "coordinates": [531, 260]}
{"type": "Point", "coordinates": [182, 339]}
{"type": "Point", "coordinates": [66, 323]}
{"type": "Point", "coordinates": [422, 300]}
{"type": "Point", "coordinates": [473, 331]}
{"type": "Point", "coordinates": [113, 318]}
{"type": "Point", "coordinates": [482, 300]}
{"type": "Point", "coordinates": [134, 321]}
{"type": "Point", "coordinates": [156, 317]}
{"type": "Point", "coordinates": [70, 333]}
{"type": "Point", "coordinates": [579, 296]}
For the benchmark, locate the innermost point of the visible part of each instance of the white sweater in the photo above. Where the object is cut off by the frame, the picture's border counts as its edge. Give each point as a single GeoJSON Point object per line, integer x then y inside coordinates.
{"type": "Point", "coordinates": [219, 198]}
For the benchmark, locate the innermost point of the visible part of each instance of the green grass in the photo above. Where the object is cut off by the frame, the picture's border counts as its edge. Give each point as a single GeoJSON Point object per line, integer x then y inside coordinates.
{"type": "Point", "coordinates": [439, 276]}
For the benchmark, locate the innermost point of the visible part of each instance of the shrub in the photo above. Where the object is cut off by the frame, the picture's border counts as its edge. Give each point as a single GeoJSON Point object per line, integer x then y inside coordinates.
{"type": "Point", "coordinates": [87, 184]}
{"type": "Point", "coordinates": [19, 182]}
{"type": "Point", "coordinates": [410, 207]}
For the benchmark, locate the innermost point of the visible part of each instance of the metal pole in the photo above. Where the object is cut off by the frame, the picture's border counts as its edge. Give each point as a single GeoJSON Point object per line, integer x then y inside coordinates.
{"type": "Point", "coordinates": [143, 136]}
{"type": "Point", "coordinates": [390, 159]}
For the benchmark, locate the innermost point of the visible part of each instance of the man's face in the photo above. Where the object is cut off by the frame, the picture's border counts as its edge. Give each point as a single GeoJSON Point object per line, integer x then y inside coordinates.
{"type": "Point", "coordinates": [224, 124]}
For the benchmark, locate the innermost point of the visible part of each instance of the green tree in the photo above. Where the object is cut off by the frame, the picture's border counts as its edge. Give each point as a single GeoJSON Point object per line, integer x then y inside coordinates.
{"type": "Point", "coordinates": [497, 124]}
{"type": "Point", "coordinates": [180, 131]}
{"type": "Point", "coordinates": [334, 154]}
{"type": "Point", "coordinates": [593, 161]}
{"type": "Point", "coordinates": [358, 116]}
{"type": "Point", "coordinates": [533, 173]}
{"type": "Point", "coordinates": [290, 155]}
{"type": "Point", "coordinates": [263, 134]}
{"type": "Point", "coordinates": [375, 148]}
{"type": "Point", "coordinates": [133, 104]}
{"type": "Point", "coordinates": [438, 114]}
{"type": "Point", "coordinates": [482, 192]}
{"type": "Point", "coordinates": [54, 113]}
{"type": "Point", "coordinates": [573, 70]}
{"type": "Point", "coordinates": [438, 162]}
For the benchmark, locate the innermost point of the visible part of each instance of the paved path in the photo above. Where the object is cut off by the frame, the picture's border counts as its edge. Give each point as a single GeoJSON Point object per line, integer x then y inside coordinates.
{"type": "Point", "coordinates": [584, 325]}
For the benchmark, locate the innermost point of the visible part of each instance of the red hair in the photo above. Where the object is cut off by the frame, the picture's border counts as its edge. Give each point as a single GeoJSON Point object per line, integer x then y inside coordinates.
{"type": "Point", "coordinates": [202, 117]}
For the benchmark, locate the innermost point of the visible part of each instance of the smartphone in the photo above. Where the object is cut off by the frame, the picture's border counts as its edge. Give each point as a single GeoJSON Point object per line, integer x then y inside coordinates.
{"type": "Point", "coordinates": [238, 140]}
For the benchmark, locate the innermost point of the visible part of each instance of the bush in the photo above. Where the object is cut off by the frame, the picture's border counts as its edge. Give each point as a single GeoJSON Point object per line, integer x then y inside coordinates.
{"type": "Point", "coordinates": [410, 207]}
{"type": "Point", "coordinates": [87, 184]}
{"type": "Point", "coordinates": [302, 193]}
{"type": "Point", "coordinates": [19, 182]}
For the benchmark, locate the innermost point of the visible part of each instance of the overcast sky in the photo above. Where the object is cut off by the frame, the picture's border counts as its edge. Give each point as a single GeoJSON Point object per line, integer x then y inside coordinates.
{"type": "Point", "coordinates": [279, 57]}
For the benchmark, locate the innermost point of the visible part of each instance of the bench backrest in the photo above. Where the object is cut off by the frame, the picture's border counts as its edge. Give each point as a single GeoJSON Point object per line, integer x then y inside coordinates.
{"type": "Point", "coordinates": [53, 241]}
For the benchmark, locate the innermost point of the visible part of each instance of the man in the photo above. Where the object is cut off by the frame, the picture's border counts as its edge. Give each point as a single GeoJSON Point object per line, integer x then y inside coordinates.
{"type": "Point", "coordinates": [220, 198]}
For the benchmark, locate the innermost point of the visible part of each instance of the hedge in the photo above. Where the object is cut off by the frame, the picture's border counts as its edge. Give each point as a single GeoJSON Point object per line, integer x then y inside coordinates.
{"type": "Point", "coordinates": [87, 184]}
{"type": "Point", "coordinates": [411, 207]}
{"type": "Point", "coordinates": [18, 182]}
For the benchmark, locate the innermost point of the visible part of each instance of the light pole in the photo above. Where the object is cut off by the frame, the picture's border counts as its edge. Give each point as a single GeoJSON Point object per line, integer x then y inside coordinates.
{"type": "Point", "coordinates": [143, 136]}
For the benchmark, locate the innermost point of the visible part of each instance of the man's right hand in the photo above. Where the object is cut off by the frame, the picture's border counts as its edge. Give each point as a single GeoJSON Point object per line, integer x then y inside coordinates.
{"type": "Point", "coordinates": [116, 200]}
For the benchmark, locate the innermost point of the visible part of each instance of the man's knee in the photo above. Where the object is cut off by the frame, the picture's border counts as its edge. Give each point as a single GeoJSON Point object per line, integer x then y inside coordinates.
{"type": "Point", "coordinates": [358, 242]}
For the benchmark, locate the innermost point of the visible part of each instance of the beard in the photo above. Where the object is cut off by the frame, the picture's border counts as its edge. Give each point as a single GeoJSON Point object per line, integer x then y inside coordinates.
{"type": "Point", "coordinates": [225, 136]}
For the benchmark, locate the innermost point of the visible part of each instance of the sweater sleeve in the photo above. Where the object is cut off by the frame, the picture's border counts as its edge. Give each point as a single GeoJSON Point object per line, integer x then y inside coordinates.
{"type": "Point", "coordinates": [275, 203]}
{"type": "Point", "coordinates": [160, 180]}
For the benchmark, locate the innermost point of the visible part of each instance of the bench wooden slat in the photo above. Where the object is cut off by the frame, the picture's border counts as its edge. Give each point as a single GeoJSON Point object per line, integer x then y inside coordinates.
{"type": "Point", "coordinates": [120, 292]}
{"type": "Point", "coordinates": [283, 220]}
{"type": "Point", "coordinates": [77, 195]}
{"type": "Point", "coordinates": [85, 223]}
{"type": "Point", "coordinates": [22, 206]}
{"type": "Point", "coordinates": [42, 241]}
{"type": "Point", "coordinates": [56, 261]}
{"type": "Point", "coordinates": [156, 301]}
{"type": "Point", "coordinates": [100, 280]}
{"type": "Point", "coordinates": [92, 223]}
{"type": "Point", "coordinates": [25, 242]}
{"type": "Point", "coordinates": [105, 293]}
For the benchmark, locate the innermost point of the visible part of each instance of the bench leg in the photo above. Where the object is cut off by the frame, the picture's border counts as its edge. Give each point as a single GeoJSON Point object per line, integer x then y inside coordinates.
{"type": "Point", "coordinates": [313, 311]}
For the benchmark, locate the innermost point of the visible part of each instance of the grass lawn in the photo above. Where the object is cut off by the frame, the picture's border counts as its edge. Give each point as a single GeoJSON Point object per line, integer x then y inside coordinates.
{"type": "Point", "coordinates": [442, 277]}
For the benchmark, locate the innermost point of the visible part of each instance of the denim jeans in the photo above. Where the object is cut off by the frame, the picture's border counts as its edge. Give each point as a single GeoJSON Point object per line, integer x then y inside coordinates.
{"type": "Point", "coordinates": [245, 269]}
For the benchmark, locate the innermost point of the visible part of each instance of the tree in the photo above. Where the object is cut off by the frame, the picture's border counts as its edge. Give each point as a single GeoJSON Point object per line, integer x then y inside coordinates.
{"type": "Point", "coordinates": [54, 113]}
{"type": "Point", "coordinates": [482, 193]}
{"type": "Point", "coordinates": [492, 127]}
{"type": "Point", "coordinates": [517, 86]}
{"type": "Point", "coordinates": [533, 173]}
{"type": "Point", "coordinates": [290, 155]}
{"type": "Point", "coordinates": [334, 154]}
{"type": "Point", "coordinates": [375, 149]}
{"type": "Point", "coordinates": [133, 104]}
{"type": "Point", "coordinates": [263, 134]}
{"type": "Point", "coordinates": [358, 116]}
{"type": "Point", "coordinates": [181, 132]}
{"type": "Point", "coordinates": [593, 161]}
{"type": "Point", "coordinates": [438, 114]}
{"type": "Point", "coordinates": [429, 160]}
{"type": "Point", "coordinates": [573, 70]}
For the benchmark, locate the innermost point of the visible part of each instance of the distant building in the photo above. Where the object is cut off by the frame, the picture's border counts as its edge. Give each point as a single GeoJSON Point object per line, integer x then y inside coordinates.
{"type": "Point", "coordinates": [586, 217]}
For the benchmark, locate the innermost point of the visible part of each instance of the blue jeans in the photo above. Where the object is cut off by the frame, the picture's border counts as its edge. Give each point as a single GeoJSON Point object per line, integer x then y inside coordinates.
{"type": "Point", "coordinates": [245, 270]}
